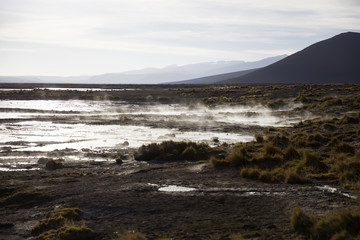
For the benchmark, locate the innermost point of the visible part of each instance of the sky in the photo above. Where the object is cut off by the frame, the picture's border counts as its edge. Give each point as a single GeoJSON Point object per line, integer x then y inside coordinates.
{"type": "Point", "coordinates": [88, 37]}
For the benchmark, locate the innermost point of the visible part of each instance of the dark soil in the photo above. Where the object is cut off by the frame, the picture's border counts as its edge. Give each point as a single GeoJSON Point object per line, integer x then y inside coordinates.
{"type": "Point", "coordinates": [116, 198]}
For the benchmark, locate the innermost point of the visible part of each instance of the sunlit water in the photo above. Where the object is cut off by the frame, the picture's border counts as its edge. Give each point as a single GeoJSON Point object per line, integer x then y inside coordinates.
{"type": "Point", "coordinates": [44, 126]}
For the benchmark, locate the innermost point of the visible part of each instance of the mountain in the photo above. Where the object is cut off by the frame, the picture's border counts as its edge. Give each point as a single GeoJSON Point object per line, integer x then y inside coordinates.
{"type": "Point", "coordinates": [154, 75]}
{"type": "Point", "coordinates": [214, 79]}
{"type": "Point", "coordinates": [174, 73]}
{"type": "Point", "coordinates": [335, 60]}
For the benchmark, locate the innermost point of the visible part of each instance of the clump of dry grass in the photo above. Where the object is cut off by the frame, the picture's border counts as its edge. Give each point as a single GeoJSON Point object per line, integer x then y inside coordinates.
{"type": "Point", "coordinates": [173, 151]}
{"type": "Point", "coordinates": [23, 197]}
{"type": "Point", "coordinates": [301, 222]}
{"type": "Point", "coordinates": [295, 178]}
{"type": "Point", "coordinates": [343, 225]}
{"type": "Point", "coordinates": [344, 148]}
{"type": "Point", "coordinates": [59, 224]}
{"type": "Point", "coordinates": [291, 154]}
{"type": "Point", "coordinates": [252, 173]}
{"type": "Point", "coordinates": [56, 219]}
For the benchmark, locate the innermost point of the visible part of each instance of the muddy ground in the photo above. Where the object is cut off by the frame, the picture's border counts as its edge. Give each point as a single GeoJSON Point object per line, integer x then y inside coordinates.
{"type": "Point", "coordinates": [125, 197]}
{"type": "Point", "coordinates": [115, 198]}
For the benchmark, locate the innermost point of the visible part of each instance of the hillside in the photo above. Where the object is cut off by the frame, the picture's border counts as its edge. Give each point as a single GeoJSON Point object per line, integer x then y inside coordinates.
{"type": "Point", "coordinates": [335, 60]}
{"type": "Point", "coordinates": [215, 78]}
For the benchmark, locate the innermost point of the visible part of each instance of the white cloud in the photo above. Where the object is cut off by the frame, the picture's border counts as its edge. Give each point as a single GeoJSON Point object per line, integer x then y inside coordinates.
{"type": "Point", "coordinates": [176, 29]}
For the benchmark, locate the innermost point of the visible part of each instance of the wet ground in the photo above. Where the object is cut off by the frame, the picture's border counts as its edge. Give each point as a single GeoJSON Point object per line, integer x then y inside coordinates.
{"type": "Point", "coordinates": [178, 200]}
{"type": "Point", "coordinates": [31, 129]}
{"type": "Point", "coordinates": [182, 200]}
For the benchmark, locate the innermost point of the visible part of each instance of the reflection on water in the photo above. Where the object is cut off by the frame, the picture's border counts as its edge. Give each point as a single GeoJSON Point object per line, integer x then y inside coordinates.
{"type": "Point", "coordinates": [43, 126]}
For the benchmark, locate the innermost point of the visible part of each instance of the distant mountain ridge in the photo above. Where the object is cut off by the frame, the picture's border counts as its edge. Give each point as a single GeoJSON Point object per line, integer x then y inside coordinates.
{"type": "Point", "coordinates": [152, 75]}
{"type": "Point", "coordinates": [334, 60]}
{"type": "Point", "coordinates": [174, 73]}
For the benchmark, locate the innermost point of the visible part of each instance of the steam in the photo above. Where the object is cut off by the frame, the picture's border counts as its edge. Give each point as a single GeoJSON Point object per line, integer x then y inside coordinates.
{"type": "Point", "coordinates": [44, 126]}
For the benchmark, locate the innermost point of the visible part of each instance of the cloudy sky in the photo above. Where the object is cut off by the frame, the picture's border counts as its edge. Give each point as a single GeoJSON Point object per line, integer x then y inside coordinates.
{"type": "Point", "coordinates": [84, 37]}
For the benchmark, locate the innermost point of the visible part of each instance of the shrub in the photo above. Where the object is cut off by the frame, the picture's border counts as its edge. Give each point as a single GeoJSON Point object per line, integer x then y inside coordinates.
{"type": "Point", "coordinates": [278, 140]}
{"type": "Point", "coordinates": [68, 232]}
{"type": "Point", "coordinates": [344, 220]}
{"type": "Point", "coordinates": [252, 173]}
{"type": "Point", "coordinates": [294, 178]}
{"type": "Point", "coordinates": [277, 175]}
{"type": "Point", "coordinates": [317, 137]}
{"type": "Point", "coordinates": [59, 225]}
{"type": "Point", "coordinates": [301, 222]}
{"type": "Point", "coordinates": [21, 198]}
{"type": "Point", "coordinates": [237, 158]}
{"type": "Point", "coordinates": [189, 153]}
{"type": "Point", "coordinates": [271, 149]}
{"type": "Point", "coordinates": [347, 170]}
{"type": "Point", "coordinates": [343, 225]}
{"type": "Point", "coordinates": [344, 148]}
{"type": "Point", "coordinates": [291, 154]}
{"type": "Point", "coordinates": [173, 151]}
{"type": "Point", "coordinates": [313, 160]}
{"type": "Point", "coordinates": [265, 176]}
{"type": "Point", "coordinates": [218, 163]}
{"type": "Point", "coordinates": [56, 219]}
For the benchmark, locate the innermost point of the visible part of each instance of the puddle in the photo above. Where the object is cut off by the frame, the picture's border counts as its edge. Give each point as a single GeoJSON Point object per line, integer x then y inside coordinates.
{"type": "Point", "coordinates": [333, 190]}
{"type": "Point", "coordinates": [5, 169]}
{"type": "Point", "coordinates": [174, 188]}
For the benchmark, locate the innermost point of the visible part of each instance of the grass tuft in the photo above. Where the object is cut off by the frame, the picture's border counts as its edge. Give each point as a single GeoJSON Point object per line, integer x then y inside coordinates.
{"type": "Point", "coordinates": [294, 178]}
{"type": "Point", "coordinates": [23, 198]}
{"type": "Point", "coordinates": [313, 160]}
{"type": "Point", "coordinates": [238, 158]}
{"type": "Point", "coordinates": [301, 222]}
{"type": "Point", "coordinates": [291, 154]}
{"type": "Point", "coordinates": [344, 148]}
{"type": "Point", "coordinates": [271, 150]}
{"type": "Point", "coordinates": [56, 219]}
{"type": "Point", "coordinates": [68, 231]}
{"type": "Point", "coordinates": [343, 225]}
{"type": "Point", "coordinates": [59, 225]}
{"type": "Point", "coordinates": [252, 173]}
{"type": "Point", "coordinates": [218, 163]}
{"type": "Point", "coordinates": [173, 151]}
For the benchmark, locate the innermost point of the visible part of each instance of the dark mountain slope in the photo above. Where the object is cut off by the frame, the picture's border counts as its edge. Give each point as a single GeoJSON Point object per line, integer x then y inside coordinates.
{"type": "Point", "coordinates": [335, 60]}
{"type": "Point", "coordinates": [215, 78]}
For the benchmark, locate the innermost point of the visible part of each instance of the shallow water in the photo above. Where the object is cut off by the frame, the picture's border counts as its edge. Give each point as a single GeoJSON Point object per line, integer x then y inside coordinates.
{"type": "Point", "coordinates": [47, 125]}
